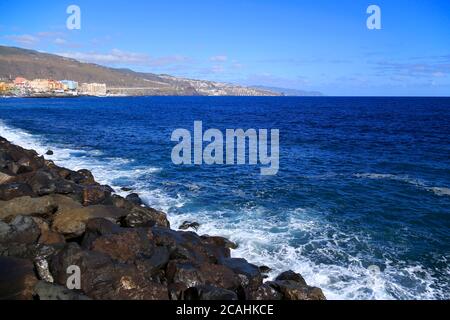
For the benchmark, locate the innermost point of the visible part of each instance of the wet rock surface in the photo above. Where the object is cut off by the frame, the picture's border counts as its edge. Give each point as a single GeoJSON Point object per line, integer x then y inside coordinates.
{"type": "Point", "coordinates": [53, 218]}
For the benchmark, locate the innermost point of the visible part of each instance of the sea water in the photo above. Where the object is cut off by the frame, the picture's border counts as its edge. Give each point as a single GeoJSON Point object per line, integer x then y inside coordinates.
{"type": "Point", "coordinates": [360, 205]}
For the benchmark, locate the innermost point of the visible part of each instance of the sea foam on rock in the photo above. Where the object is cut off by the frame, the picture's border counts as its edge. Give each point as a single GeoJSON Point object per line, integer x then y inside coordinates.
{"type": "Point", "coordinates": [52, 218]}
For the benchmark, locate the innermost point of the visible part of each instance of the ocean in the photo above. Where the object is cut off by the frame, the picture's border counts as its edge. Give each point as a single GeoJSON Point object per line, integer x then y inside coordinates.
{"type": "Point", "coordinates": [360, 205]}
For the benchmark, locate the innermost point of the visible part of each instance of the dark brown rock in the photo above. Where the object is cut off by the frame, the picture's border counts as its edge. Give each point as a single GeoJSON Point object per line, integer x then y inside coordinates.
{"type": "Point", "coordinates": [248, 274]}
{"type": "Point", "coordinates": [134, 199]}
{"type": "Point", "coordinates": [291, 275]}
{"type": "Point", "coordinates": [104, 279]}
{"type": "Point", "coordinates": [14, 190]}
{"type": "Point", "coordinates": [17, 279]}
{"type": "Point", "coordinates": [95, 194]}
{"type": "Point", "coordinates": [20, 230]}
{"type": "Point", "coordinates": [189, 225]}
{"type": "Point", "coordinates": [192, 275]}
{"type": "Point", "coordinates": [293, 287]}
{"type": "Point", "coordinates": [126, 246]}
{"type": "Point", "coordinates": [140, 216]}
{"type": "Point", "coordinates": [265, 292]}
{"type": "Point", "coordinates": [72, 222]}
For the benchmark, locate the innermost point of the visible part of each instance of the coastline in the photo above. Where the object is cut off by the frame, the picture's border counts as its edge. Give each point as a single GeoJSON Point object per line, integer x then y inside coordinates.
{"type": "Point", "coordinates": [52, 218]}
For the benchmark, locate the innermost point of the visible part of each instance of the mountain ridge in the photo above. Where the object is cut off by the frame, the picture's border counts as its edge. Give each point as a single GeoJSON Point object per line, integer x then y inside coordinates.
{"type": "Point", "coordinates": [32, 64]}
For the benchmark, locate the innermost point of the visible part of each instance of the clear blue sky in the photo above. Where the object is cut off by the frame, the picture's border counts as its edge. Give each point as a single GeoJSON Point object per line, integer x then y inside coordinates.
{"type": "Point", "coordinates": [312, 45]}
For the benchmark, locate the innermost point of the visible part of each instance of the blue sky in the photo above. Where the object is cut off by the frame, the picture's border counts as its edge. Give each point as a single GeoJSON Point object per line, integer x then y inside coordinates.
{"type": "Point", "coordinates": [319, 45]}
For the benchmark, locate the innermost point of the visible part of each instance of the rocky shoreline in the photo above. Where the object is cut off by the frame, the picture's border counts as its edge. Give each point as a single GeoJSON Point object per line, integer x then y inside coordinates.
{"type": "Point", "coordinates": [53, 218]}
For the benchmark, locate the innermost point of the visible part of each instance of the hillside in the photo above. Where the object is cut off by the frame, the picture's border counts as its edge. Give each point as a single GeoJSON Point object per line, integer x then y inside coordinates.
{"type": "Point", "coordinates": [290, 92]}
{"type": "Point", "coordinates": [33, 64]}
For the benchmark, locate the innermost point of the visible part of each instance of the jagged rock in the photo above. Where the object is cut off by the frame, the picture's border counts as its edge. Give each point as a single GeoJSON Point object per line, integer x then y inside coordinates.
{"type": "Point", "coordinates": [86, 177]}
{"type": "Point", "coordinates": [42, 206]}
{"type": "Point", "coordinates": [47, 291]}
{"type": "Point", "coordinates": [220, 241]}
{"type": "Point", "coordinates": [293, 287]}
{"type": "Point", "coordinates": [291, 275]}
{"type": "Point", "coordinates": [188, 246]}
{"type": "Point", "coordinates": [192, 275]}
{"type": "Point", "coordinates": [17, 279]}
{"type": "Point", "coordinates": [140, 216]}
{"type": "Point", "coordinates": [189, 225]}
{"type": "Point", "coordinates": [26, 206]}
{"type": "Point", "coordinates": [158, 260]}
{"type": "Point", "coordinates": [249, 274]}
{"type": "Point", "coordinates": [125, 246]}
{"type": "Point", "coordinates": [265, 292]}
{"type": "Point", "coordinates": [43, 183]}
{"type": "Point", "coordinates": [95, 194]}
{"type": "Point", "coordinates": [102, 278]}
{"type": "Point", "coordinates": [20, 230]}
{"type": "Point", "coordinates": [72, 223]}
{"type": "Point", "coordinates": [134, 199]}
{"type": "Point", "coordinates": [264, 269]}
{"type": "Point", "coordinates": [14, 190]}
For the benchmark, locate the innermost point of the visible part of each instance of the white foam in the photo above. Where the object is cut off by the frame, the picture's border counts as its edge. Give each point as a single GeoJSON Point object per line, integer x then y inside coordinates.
{"type": "Point", "coordinates": [440, 191]}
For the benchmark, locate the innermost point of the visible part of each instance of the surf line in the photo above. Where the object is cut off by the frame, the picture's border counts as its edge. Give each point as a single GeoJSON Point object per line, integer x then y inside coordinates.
{"type": "Point", "coordinates": [233, 152]}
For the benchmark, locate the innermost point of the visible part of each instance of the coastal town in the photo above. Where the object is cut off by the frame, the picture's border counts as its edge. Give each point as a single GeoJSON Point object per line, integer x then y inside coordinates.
{"type": "Point", "coordinates": [21, 87]}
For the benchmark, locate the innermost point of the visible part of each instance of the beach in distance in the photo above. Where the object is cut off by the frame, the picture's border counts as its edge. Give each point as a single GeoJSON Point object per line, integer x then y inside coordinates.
{"type": "Point", "coordinates": [359, 206]}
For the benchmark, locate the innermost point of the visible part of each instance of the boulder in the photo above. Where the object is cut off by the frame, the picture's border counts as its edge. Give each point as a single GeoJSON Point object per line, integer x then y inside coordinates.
{"type": "Point", "coordinates": [187, 246]}
{"type": "Point", "coordinates": [95, 194]}
{"type": "Point", "coordinates": [27, 206]}
{"type": "Point", "coordinates": [220, 241]}
{"type": "Point", "coordinates": [125, 246]}
{"type": "Point", "coordinates": [248, 274]}
{"type": "Point", "coordinates": [264, 269]}
{"type": "Point", "coordinates": [140, 216]}
{"type": "Point", "coordinates": [292, 286]}
{"type": "Point", "coordinates": [192, 275]}
{"type": "Point", "coordinates": [143, 217]}
{"type": "Point", "coordinates": [291, 275]}
{"type": "Point", "coordinates": [17, 279]}
{"type": "Point", "coordinates": [49, 153]}
{"type": "Point", "coordinates": [72, 222]}
{"type": "Point", "coordinates": [265, 292]}
{"type": "Point", "coordinates": [189, 225]}
{"type": "Point", "coordinates": [20, 230]}
{"type": "Point", "coordinates": [134, 199]}
{"type": "Point", "coordinates": [104, 279]}
{"type": "Point", "coordinates": [42, 206]}
{"type": "Point", "coordinates": [14, 190]}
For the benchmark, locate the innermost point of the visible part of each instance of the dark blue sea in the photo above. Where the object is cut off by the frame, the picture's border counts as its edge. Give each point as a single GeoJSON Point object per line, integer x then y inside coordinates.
{"type": "Point", "coordinates": [360, 205]}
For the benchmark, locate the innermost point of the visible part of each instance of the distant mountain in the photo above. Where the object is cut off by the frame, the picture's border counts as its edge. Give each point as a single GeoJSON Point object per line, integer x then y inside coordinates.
{"type": "Point", "coordinates": [290, 92]}
{"type": "Point", "coordinates": [32, 64]}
